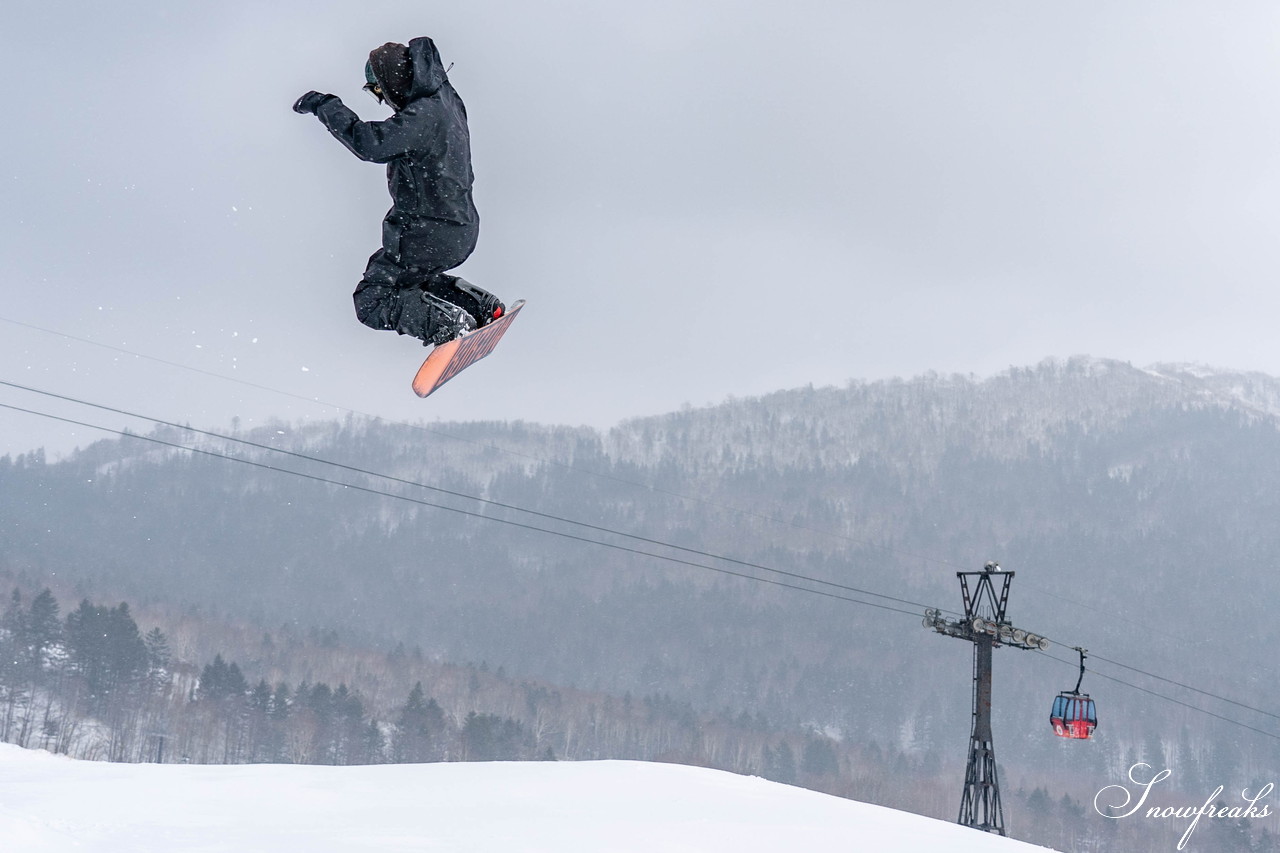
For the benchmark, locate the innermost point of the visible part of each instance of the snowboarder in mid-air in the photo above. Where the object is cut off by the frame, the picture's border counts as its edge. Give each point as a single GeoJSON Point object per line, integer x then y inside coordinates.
{"type": "Point", "coordinates": [433, 224]}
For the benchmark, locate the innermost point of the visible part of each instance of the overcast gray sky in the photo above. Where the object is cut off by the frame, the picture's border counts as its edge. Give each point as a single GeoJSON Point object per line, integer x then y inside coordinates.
{"type": "Point", "coordinates": [698, 199]}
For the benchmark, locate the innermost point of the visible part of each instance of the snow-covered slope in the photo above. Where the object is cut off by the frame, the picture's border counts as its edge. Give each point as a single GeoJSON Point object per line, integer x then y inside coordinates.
{"type": "Point", "coordinates": [51, 803]}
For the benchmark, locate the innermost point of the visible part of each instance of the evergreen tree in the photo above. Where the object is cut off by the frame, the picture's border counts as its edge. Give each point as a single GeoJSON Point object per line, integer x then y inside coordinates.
{"type": "Point", "coordinates": [260, 698]}
{"type": "Point", "coordinates": [349, 727]}
{"type": "Point", "coordinates": [488, 737]}
{"type": "Point", "coordinates": [419, 729]}
{"type": "Point", "coordinates": [819, 758]}
{"type": "Point", "coordinates": [12, 683]}
{"type": "Point", "coordinates": [280, 704]}
{"type": "Point", "coordinates": [1153, 752]}
{"type": "Point", "coordinates": [106, 649]}
{"type": "Point", "coordinates": [780, 764]}
{"type": "Point", "coordinates": [40, 631]}
{"type": "Point", "coordinates": [158, 656]}
{"type": "Point", "coordinates": [213, 680]}
{"type": "Point", "coordinates": [225, 692]}
{"type": "Point", "coordinates": [261, 741]}
{"type": "Point", "coordinates": [373, 744]}
{"type": "Point", "coordinates": [1039, 803]}
{"type": "Point", "coordinates": [11, 620]}
{"type": "Point", "coordinates": [237, 684]}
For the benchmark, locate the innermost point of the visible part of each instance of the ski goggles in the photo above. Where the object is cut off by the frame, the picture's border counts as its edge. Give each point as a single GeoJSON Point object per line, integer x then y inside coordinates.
{"type": "Point", "coordinates": [376, 91]}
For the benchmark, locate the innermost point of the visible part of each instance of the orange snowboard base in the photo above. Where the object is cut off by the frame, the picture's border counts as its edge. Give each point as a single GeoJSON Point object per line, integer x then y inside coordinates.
{"type": "Point", "coordinates": [448, 360]}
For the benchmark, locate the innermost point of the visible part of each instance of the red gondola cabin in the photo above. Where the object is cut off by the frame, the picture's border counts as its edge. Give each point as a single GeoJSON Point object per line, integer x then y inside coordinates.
{"type": "Point", "coordinates": [1073, 715]}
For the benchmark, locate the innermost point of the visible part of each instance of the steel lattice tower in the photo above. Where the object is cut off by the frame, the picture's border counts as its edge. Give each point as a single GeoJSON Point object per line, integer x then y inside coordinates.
{"type": "Point", "coordinates": [986, 596]}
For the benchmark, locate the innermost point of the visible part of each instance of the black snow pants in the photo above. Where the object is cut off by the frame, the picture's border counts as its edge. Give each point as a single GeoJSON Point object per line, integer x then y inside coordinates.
{"type": "Point", "coordinates": [415, 254]}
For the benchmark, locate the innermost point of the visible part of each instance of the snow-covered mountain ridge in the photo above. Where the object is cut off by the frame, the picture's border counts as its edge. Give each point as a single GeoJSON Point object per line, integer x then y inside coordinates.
{"type": "Point", "coordinates": [1009, 415]}
{"type": "Point", "coordinates": [1251, 391]}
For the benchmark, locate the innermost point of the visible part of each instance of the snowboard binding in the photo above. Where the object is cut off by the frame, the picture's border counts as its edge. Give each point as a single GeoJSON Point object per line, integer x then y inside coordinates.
{"type": "Point", "coordinates": [446, 320]}
{"type": "Point", "coordinates": [482, 305]}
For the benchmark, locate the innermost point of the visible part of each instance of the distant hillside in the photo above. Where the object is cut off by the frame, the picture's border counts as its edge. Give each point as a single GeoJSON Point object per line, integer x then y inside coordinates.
{"type": "Point", "coordinates": [1137, 507]}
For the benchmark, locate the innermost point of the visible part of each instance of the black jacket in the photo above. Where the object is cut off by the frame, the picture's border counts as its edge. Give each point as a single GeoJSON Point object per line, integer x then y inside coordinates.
{"type": "Point", "coordinates": [426, 144]}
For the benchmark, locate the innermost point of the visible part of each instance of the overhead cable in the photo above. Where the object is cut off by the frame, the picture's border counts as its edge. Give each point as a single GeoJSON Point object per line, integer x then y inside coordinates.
{"type": "Point", "coordinates": [457, 494]}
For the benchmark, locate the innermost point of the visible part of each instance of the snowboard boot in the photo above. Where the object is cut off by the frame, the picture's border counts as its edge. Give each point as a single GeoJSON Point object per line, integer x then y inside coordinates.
{"type": "Point", "coordinates": [479, 303]}
{"type": "Point", "coordinates": [444, 321]}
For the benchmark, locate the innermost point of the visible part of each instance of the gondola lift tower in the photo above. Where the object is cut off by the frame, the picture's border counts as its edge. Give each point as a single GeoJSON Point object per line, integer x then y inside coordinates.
{"type": "Point", "coordinates": [986, 598]}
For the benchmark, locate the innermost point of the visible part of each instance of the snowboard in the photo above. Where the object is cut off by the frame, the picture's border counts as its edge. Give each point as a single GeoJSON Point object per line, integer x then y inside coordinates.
{"type": "Point", "coordinates": [449, 359]}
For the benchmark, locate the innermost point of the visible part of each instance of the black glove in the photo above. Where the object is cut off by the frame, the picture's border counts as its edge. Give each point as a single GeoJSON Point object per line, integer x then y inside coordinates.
{"type": "Point", "coordinates": [310, 102]}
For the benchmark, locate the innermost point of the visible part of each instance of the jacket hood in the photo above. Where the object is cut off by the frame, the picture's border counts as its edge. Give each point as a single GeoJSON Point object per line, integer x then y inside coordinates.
{"type": "Point", "coordinates": [407, 73]}
{"type": "Point", "coordinates": [428, 69]}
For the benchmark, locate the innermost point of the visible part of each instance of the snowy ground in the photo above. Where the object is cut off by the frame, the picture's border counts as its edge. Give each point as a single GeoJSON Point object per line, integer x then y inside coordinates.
{"type": "Point", "coordinates": [51, 803]}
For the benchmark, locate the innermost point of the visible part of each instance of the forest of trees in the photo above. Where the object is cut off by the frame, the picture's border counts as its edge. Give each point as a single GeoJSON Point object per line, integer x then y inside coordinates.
{"type": "Point", "coordinates": [93, 686]}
